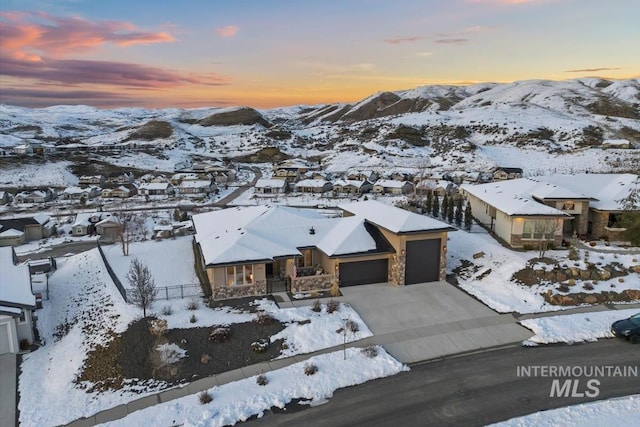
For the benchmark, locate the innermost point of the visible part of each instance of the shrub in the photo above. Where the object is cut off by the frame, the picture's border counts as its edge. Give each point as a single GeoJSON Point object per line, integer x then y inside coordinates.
{"type": "Point", "coordinates": [24, 344]}
{"type": "Point", "coordinates": [314, 294]}
{"type": "Point", "coordinates": [587, 286]}
{"type": "Point", "coordinates": [310, 369]}
{"type": "Point", "coordinates": [158, 327]}
{"type": "Point", "coordinates": [220, 334]}
{"type": "Point", "coordinates": [205, 398]}
{"type": "Point", "coordinates": [192, 305]}
{"type": "Point", "coordinates": [573, 254]}
{"type": "Point", "coordinates": [260, 346]}
{"type": "Point", "coordinates": [167, 310]}
{"type": "Point", "coordinates": [193, 319]}
{"type": "Point", "coordinates": [317, 307]}
{"type": "Point", "coordinates": [571, 282]}
{"type": "Point", "coordinates": [332, 306]}
{"type": "Point", "coordinates": [334, 291]}
{"type": "Point", "coordinates": [263, 319]}
{"type": "Point", "coordinates": [563, 288]}
{"type": "Point", "coordinates": [370, 351]}
{"type": "Point", "coordinates": [351, 326]}
{"type": "Point", "coordinates": [262, 379]}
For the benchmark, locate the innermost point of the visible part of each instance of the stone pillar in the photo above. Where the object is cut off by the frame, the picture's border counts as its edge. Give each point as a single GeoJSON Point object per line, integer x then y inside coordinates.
{"type": "Point", "coordinates": [397, 267]}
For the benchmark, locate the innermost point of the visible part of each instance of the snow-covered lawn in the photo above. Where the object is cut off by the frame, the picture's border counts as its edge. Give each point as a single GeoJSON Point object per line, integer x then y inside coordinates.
{"type": "Point", "coordinates": [83, 296]}
{"type": "Point", "coordinates": [621, 412]}
{"type": "Point", "coordinates": [170, 261]}
{"type": "Point", "coordinates": [491, 280]}
{"type": "Point", "coordinates": [573, 328]}
{"type": "Point", "coordinates": [237, 401]}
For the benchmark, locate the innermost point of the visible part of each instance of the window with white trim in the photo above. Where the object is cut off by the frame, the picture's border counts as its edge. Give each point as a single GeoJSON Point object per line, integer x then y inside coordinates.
{"type": "Point", "coordinates": [539, 229]}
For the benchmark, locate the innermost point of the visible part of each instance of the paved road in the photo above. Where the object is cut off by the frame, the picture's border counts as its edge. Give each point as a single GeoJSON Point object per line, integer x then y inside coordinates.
{"type": "Point", "coordinates": [60, 250]}
{"type": "Point", "coordinates": [472, 390]}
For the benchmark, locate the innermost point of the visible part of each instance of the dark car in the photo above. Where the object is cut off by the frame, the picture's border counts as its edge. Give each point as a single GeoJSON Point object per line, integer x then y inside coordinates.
{"type": "Point", "coordinates": [628, 328]}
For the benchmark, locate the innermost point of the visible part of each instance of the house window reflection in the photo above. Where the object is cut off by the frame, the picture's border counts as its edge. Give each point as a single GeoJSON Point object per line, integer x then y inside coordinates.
{"type": "Point", "coordinates": [238, 275]}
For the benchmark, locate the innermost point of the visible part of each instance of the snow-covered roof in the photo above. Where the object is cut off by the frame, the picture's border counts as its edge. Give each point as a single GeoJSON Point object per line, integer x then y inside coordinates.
{"type": "Point", "coordinates": [195, 184]}
{"type": "Point", "coordinates": [312, 183]}
{"type": "Point", "coordinates": [13, 311]}
{"type": "Point", "coordinates": [42, 218]}
{"type": "Point", "coordinates": [390, 183]}
{"type": "Point", "coordinates": [349, 182]}
{"type": "Point", "coordinates": [154, 186]}
{"type": "Point", "coordinates": [516, 196]}
{"type": "Point", "coordinates": [607, 189]}
{"type": "Point", "coordinates": [272, 183]}
{"type": "Point", "coordinates": [11, 232]}
{"type": "Point", "coordinates": [260, 233]}
{"type": "Point", "coordinates": [15, 281]}
{"type": "Point", "coordinates": [74, 190]}
{"type": "Point", "coordinates": [394, 219]}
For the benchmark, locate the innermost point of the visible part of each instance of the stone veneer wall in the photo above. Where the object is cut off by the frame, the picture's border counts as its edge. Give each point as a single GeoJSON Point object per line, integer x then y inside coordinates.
{"type": "Point", "coordinates": [312, 283]}
{"type": "Point", "coordinates": [599, 230]}
{"type": "Point", "coordinates": [443, 263]}
{"type": "Point", "coordinates": [518, 242]}
{"type": "Point", "coordinates": [397, 267]}
{"type": "Point", "coordinates": [226, 292]}
{"type": "Point", "coordinates": [583, 220]}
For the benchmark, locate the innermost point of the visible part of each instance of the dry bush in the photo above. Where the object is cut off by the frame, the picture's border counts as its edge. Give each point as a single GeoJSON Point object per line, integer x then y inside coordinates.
{"type": "Point", "coordinates": [220, 334]}
{"type": "Point", "coordinates": [260, 346]}
{"type": "Point", "coordinates": [263, 319]}
{"type": "Point", "coordinates": [352, 326]}
{"type": "Point", "coordinates": [332, 306]}
{"type": "Point", "coordinates": [317, 307]}
{"type": "Point", "coordinates": [310, 369]}
{"type": "Point", "coordinates": [193, 319]}
{"type": "Point", "coordinates": [158, 327]}
{"type": "Point", "coordinates": [192, 305]}
{"type": "Point", "coordinates": [262, 379]}
{"type": "Point", "coordinates": [370, 351]}
{"type": "Point", "coordinates": [205, 397]}
{"type": "Point", "coordinates": [166, 310]}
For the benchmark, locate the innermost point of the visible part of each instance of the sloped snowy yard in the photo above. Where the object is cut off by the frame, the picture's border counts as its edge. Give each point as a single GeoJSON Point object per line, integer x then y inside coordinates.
{"type": "Point", "coordinates": [237, 401]}
{"type": "Point", "coordinates": [621, 412]}
{"type": "Point", "coordinates": [574, 328]}
{"type": "Point", "coordinates": [84, 310]}
{"type": "Point", "coordinates": [490, 279]}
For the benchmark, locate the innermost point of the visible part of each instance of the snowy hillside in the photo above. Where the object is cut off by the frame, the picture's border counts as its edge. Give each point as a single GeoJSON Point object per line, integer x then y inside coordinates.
{"type": "Point", "coordinates": [565, 123]}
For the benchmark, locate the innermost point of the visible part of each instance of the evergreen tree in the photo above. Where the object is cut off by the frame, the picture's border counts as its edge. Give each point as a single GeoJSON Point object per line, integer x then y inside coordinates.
{"type": "Point", "coordinates": [459, 212]}
{"type": "Point", "coordinates": [467, 217]}
{"type": "Point", "coordinates": [429, 203]}
{"type": "Point", "coordinates": [435, 208]}
{"type": "Point", "coordinates": [450, 211]}
{"type": "Point", "coordinates": [445, 207]}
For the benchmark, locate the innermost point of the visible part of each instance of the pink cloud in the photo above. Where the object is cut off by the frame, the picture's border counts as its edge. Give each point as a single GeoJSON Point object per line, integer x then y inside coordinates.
{"type": "Point", "coordinates": [227, 31]}
{"type": "Point", "coordinates": [452, 41]}
{"type": "Point", "coordinates": [404, 40]}
{"type": "Point", "coordinates": [50, 35]}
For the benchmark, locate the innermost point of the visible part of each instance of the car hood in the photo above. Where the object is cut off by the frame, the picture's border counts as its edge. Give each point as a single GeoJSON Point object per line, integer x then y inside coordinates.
{"type": "Point", "coordinates": [624, 324]}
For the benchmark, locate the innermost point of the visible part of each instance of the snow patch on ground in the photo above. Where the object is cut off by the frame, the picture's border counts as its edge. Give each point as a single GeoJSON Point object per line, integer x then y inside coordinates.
{"type": "Point", "coordinates": [621, 412]}
{"type": "Point", "coordinates": [239, 400]}
{"type": "Point", "coordinates": [572, 328]}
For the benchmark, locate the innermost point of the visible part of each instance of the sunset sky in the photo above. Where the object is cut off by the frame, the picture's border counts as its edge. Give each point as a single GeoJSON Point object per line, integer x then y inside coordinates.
{"type": "Point", "coordinates": [268, 53]}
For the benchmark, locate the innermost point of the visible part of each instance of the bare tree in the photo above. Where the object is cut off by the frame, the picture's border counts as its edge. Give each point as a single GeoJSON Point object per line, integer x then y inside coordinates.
{"type": "Point", "coordinates": [547, 227]}
{"type": "Point", "coordinates": [143, 287]}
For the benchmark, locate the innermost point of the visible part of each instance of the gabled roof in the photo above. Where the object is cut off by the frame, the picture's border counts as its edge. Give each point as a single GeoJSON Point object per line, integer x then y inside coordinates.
{"type": "Point", "coordinates": [391, 183]}
{"type": "Point", "coordinates": [350, 182]}
{"type": "Point", "coordinates": [312, 183]}
{"type": "Point", "coordinates": [606, 190]}
{"type": "Point", "coordinates": [516, 197]}
{"type": "Point", "coordinates": [262, 233]}
{"type": "Point", "coordinates": [11, 232]}
{"type": "Point", "coordinates": [17, 223]}
{"type": "Point", "coordinates": [394, 219]}
{"type": "Point", "coordinates": [273, 183]}
{"type": "Point", "coordinates": [15, 282]}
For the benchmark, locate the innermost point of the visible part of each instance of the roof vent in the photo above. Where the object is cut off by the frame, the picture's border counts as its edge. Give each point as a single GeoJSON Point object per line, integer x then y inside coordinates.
{"type": "Point", "coordinates": [312, 230]}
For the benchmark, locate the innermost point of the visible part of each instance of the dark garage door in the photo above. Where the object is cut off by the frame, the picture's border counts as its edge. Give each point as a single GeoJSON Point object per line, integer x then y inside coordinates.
{"type": "Point", "coordinates": [363, 272]}
{"type": "Point", "coordinates": [423, 261]}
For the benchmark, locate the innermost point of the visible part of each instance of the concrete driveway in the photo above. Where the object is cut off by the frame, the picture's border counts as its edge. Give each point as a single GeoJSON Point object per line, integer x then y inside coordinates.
{"type": "Point", "coordinates": [430, 320]}
{"type": "Point", "coordinates": [8, 389]}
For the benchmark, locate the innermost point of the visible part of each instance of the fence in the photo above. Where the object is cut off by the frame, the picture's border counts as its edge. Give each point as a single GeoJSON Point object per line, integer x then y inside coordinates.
{"type": "Point", "coordinates": [115, 279]}
{"type": "Point", "coordinates": [177, 291]}
{"type": "Point", "coordinates": [163, 292]}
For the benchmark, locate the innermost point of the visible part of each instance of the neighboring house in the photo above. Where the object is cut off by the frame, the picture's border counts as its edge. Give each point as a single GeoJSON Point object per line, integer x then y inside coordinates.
{"type": "Point", "coordinates": [361, 175]}
{"type": "Point", "coordinates": [196, 187]}
{"type": "Point", "coordinates": [615, 143]}
{"type": "Point", "coordinates": [177, 178]}
{"type": "Point", "coordinates": [245, 250]}
{"type": "Point", "coordinates": [86, 223]}
{"type": "Point", "coordinates": [386, 186]}
{"type": "Point", "coordinates": [605, 193]}
{"type": "Point", "coordinates": [506, 173]}
{"type": "Point", "coordinates": [30, 228]}
{"type": "Point", "coordinates": [5, 152]}
{"type": "Point", "coordinates": [437, 187]}
{"type": "Point", "coordinates": [290, 170]}
{"type": "Point", "coordinates": [17, 303]}
{"type": "Point", "coordinates": [313, 186]}
{"type": "Point", "coordinates": [98, 180]}
{"type": "Point", "coordinates": [108, 229]}
{"type": "Point", "coordinates": [349, 187]}
{"type": "Point", "coordinates": [155, 189]}
{"type": "Point", "coordinates": [77, 193]}
{"type": "Point", "coordinates": [117, 178]}
{"type": "Point", "coordinates": [524, 212]}
{"type": "Point", "coordinates": [120, 192]}
{"type": "Point", "coordinates": [270, 187]}
{"type": "Point", "coordinates": [33, 196]}
{"type": "Point", "coordinates": [23, 149]}
{"type": "Point", "coordinates": [5, 198]}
